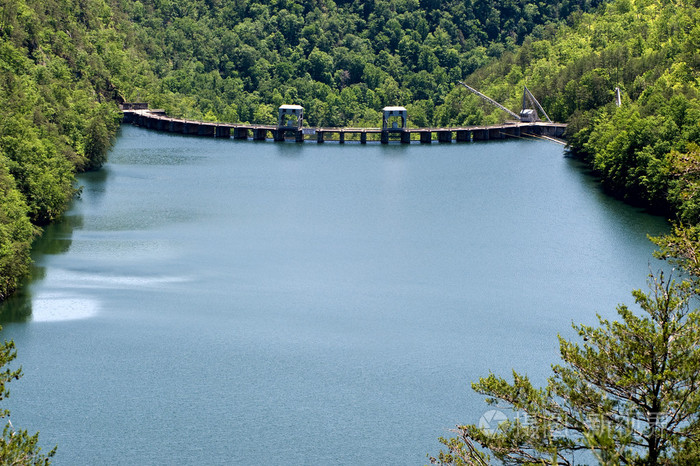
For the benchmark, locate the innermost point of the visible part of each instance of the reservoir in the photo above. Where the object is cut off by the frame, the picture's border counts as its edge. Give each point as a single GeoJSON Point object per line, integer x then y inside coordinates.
{"type": "Point", "coordinates": [212, 301]}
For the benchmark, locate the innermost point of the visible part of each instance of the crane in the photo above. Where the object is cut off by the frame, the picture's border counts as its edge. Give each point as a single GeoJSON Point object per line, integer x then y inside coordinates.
{"type": "Point", "coordinates": [490, 100]}
{"type": "Point", "coordinates": [529, 98]}
{"type": "Point", "coordinates": [526, 114]}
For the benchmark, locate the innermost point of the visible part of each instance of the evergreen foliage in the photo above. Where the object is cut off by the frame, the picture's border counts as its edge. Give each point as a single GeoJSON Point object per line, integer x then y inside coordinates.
{"type": "Point", "coordinates": [58, 114]}
{"type": "Point", "coordinates": [629, 394]}
{"type": "Point", "coordinates": [343, 61]}
{"type": "Point", "coordinates": [16, 231]}
{"type": "Point", "coordinates": [647, 152]}
{"type": "Point", "coordinates": [65, 64]}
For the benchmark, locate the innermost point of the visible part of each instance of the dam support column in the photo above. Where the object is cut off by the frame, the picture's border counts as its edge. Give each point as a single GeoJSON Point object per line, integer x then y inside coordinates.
{"type": "Point", "coordinates": [223, 132]}
{"type": "Point", "coordinates": [463, 136]}
{"type": "Point", "coordinates": [480, 135]}
{"type": "Point", "coordinates": [444, 136]}
{"type": "Point", "coordinates": [206, 129]}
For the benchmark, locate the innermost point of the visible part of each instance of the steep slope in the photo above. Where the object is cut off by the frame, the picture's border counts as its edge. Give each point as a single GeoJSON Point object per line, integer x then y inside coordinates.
{"type": "Point", "coordinates": [645, 150]}
{"type": "Point", "coordinates": [64, 64]}
{"type": "Point", "coordinates": [58, 115]}
{"type": "Point", "coordinates": [343, 61]}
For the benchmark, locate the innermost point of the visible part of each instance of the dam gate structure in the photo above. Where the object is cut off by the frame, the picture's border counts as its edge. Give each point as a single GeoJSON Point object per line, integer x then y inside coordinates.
{"type": "Point", "coordinates": [394, 126]}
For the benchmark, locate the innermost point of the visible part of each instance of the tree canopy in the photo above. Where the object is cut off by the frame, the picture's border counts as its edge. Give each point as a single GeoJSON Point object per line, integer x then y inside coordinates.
{"type": "Point", "coordinates": [646, 150]}
{"type": "Point", "coordinates": [343, 61]}
{"type": "Point", "coordinates": [629, 393]}
{"type": "Point", "coordinates": [65, 64]}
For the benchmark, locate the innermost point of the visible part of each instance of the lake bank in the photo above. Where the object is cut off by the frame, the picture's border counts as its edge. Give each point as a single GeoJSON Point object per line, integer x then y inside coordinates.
{"type": "Point", "coordinates": [203, 297]}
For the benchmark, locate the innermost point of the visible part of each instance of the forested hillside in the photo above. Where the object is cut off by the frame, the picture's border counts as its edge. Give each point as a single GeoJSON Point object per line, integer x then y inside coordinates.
{"type": "Point", "coordinates": [64, 64]}
{"type": "Point", "coordinates": [343, 61]}
{"type": "Point", "coordinates": [645, 150]}
{"type": "Point", "coordinates": [58, 116]}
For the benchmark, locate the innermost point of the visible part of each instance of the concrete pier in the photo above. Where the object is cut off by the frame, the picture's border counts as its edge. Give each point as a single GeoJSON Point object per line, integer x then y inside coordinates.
{"type": "Point", "coordinates": [463, 136]}
{"type": "Point", "coordinates": [240, 133]}
{"type": "Point", "coordinates": [444, 136]}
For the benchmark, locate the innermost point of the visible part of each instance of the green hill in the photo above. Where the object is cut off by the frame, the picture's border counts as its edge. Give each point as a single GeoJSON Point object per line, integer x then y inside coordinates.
{"type": "Point", "coordinates": [66, 64]}
{"type": "Point", "coordinates": [58, 115]}
{"type": "Point", "coordinates": [645, 150]}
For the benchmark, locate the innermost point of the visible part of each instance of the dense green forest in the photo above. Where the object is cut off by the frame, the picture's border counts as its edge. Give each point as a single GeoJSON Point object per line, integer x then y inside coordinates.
{"type": "Point", "coordinates": [645, 150]}
{"type": "Point", "coordinates": [65, 64]}
{"type": "Point", "coordinates": [344, 61]}
{"type": "Point", "coordinates": [58, 117]}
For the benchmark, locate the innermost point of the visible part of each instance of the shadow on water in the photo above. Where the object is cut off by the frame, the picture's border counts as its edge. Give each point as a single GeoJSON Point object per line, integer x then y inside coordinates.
{"type": "Point", "coordinates": [97, 176]}
{"type": "Point", "coordinates": [394, 149]}
{"type": "Point", "coordinates": [95, 183]}
{"type": "Point", "coordinates": [292, 149]}
{"type": "Point", "coordinates": [18, 307]}
{"type": "Point", "coordinates": [635, 219]}
{"type": "Point", "coordinates": [287, 149]}
{"type": "Point", "coordinates": [590, 179]}
{"type": "Point", "coordinates": [55, 239]}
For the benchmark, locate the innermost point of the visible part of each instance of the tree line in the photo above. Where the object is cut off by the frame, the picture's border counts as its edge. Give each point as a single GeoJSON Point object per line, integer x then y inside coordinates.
{"type": "Point", "coordinates": [625, 391]}
{"type": "Point", "coordinates": [66, 64]}
{"type": "Point", "coordinates": [645, 150]}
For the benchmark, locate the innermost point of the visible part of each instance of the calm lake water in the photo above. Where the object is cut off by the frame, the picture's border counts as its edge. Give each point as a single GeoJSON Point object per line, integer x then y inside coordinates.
{"type": "Point", "coordinates": [218, 302]}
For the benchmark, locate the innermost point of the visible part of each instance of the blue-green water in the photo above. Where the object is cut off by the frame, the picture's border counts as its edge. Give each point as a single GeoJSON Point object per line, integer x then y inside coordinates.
{"type": "Point", "coordinates": [218, 302]}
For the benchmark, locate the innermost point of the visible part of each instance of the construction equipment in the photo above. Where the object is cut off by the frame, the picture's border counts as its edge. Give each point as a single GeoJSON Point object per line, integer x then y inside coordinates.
{"type": "Point", "coordinates": [529, 98]}
{"type": "Point", "coordinates": [490, 100]}
{"type": "Point", "coordinates": [527, 114]}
